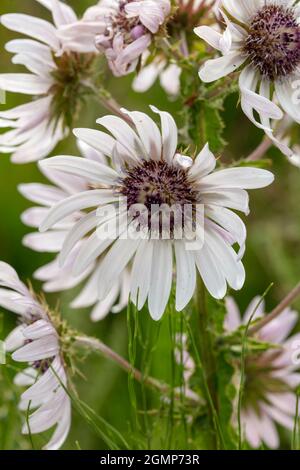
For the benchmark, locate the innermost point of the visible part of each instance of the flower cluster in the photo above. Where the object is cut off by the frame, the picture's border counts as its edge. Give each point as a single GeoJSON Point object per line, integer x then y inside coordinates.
{"type": "Point", "coordinates": [270, 377]}
{"type": "Point", "coordinates": [35, 341]}
{"type": "Point", "coordinates": [262, 44]}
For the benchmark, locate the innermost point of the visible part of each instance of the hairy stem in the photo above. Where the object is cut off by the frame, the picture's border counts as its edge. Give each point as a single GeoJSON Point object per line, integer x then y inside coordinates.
{"type": "Point", "coordinates": [206, 349]}
{"type": "Point", "coordinates": [260, 151]}
{"type": "Point", "coordinates": [107, 101]}
{"type": "Point", "coordinates": [277, 310]}
{"type": "Point", "coordinates": [97, 345]}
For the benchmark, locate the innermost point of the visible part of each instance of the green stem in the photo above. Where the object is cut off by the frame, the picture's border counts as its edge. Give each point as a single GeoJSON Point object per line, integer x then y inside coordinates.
{"type": "Point", "coordinates": [206, 350]}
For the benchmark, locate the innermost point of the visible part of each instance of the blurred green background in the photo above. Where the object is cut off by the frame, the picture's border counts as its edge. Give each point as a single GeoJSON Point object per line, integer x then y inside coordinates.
{"type": "Point", "coordinates": [272, 256]}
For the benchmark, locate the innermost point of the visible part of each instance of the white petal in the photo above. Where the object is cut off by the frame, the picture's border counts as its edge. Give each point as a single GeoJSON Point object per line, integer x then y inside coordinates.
{"type": "Point", "coordinates": [141, 273]}
{"type": "Point", "coordinates": [217, 68]}
{"type": "Point", "coordinates": [161, 278]}
{"type": "Point", "coordinates": [124, 134]}
{"type": "Point", "coordinates": [50, 242]}
{"type": "Point", "coordinates": [148, 133]}
{"type": "Point", "coordinates": [204, 164]}
{"type": "Point", "coordinates": [211, 274]}
{"type": "Point", "coordinates": [242, 178]}
{"type": "Point", "coordinates": [90, 170]}
{"type": "Point", "coordinates": [100, 141]}
{"type": "Point", "coordinates": [79, 230]}
{"type": "Point", "coordinates": [31, 26]}
{"type": "Point", "coordinates": [169, 134]}
{"type": "Point", "coordinates": [186, 275]}
{"type": "Point", "coordinates": [39, 349]}
{"type": "Point", "coordinates": [25, 83]}
{"type": "Point", "coordinates": [114, 263]}
{"type": "Point", "coordinates": [75, 203]}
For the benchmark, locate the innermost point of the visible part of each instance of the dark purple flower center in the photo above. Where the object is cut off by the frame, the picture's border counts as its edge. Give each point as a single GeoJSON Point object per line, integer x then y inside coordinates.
{"type": "Point", "coordinates": [273, 42]}
{"type": "Point", "coordinates": [157, 183]}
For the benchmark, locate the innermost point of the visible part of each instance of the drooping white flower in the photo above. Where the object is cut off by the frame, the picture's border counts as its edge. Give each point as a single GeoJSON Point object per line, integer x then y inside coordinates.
{"type": "Point", "coordinates": [149, 175]}
{"type": "Point", "coordinates": [122, 29]}
{"type": "Point", "coordinates": [35, 341]}
{"type": "Point", "coordinates": [168, 74]}
{"type": "Point", "coordinates": [56, 278]}
{"type": "Point", "coordinates": [270, 377]}
{"type": "Point", "coordinates": [262, 41]}
{"type": "Point", "coordinates": [37, 126]}
{"type": "Point", "coordinates": [187, 14]}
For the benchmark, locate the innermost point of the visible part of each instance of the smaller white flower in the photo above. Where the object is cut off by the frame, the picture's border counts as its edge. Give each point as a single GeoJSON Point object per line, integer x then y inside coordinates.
{"type": "Point", "coordinates": [122, 29]}
{"type": "Point", "coordinates": [36, 127]}
{"type": "Point", "coordinates": [36, 342]}
{"type": "Point", "coordinates": [168, 74]}
{"type": "Point", "coordinates": [262, 43]}
{"type": "Point", "coordinates": [270, 377]}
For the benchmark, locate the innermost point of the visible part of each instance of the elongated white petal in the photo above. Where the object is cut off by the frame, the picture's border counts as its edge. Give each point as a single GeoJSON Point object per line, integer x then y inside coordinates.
{"type": "Point", "coordinates": [242, 178]}
{"type": "Point", "coordinates": [43, 348]}
{"type": "Point", "coordinates": [95, 197]}
{"type": "Point", "coordinates": [148, 133]}
{"type": "Point", "coordinates": [186, 275]}
{"type": "Point", "coordinates": [100, 141]}
{"type": "Point", "coordinates": [31, 26]}
{"type": "Point", "coordinates": [92, 171]}
{"type": "Point", "coordinates": [169, 134]}
{"type": "Point", "coordinates": [161, 278]}
{"type": "Point", "coordinates": [25, 83]}
{"type": "Point", "coordinates": [141, 273]}
{"type": "Point", "coordinates": [124, 134]}
{"type": "Point", "coordinates": [114, 263]}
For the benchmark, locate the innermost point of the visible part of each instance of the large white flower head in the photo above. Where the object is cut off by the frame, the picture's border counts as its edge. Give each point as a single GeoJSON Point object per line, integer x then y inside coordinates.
{"type": "Point", "coordinates": [262, 40]}
{"type": "Point", "coordinates": [36, 342]}
{"type": "Point", "coordinates": [57, 278]}
{"type": "Point", "coordinates": [53, 83]}
{"type": "Point", "coordinates": [270, 377]}
{"type": "Point", "coordinates": [148, 184]}
{"type": "Point", "coordinates": [122, 29]}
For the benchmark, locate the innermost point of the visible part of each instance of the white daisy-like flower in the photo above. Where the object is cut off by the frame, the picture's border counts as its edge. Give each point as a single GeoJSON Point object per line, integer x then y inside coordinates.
{"type": "Point", "coordinates": [270, 377]}
{"type": "Point", "coordinates": [121, 29]}
{"type": "Point", "coordinates": [37, 126]}
{"type": "Point", "coordinates": [56, 278]}
{"type": "Point", "coordinates": [148, 173]}
{"type": "Point", "coordinates": [35, 341]}
{"type": "Point", "coordinates": [262, 40]}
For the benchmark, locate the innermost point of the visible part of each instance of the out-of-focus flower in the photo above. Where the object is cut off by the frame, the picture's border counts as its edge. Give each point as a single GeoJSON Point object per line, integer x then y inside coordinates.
{"type": "Point", "coordinates": [121, 29]}
{"type": "Point", "coordinates": [262, 38]}
{"type": "Point", "coordinates": [270, 377]}
{"type": "Point", "coordinates": [168, 74]}
{"type": "Point", "coordinates": [54, 83]}
{"type": "Point", "coordinates": [186, 15]}
{"type": "Point", "coordinates": [152, 201]}
{"type": "Point", "coordinates": [184, 358]}
{"type": "Point", "coordinates": [35, 341]}
{"type": "Point", "coordinates": [55, 277]}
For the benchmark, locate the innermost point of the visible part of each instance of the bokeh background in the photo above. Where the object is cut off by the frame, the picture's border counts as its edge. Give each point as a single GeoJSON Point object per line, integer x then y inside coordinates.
{"type": "Point", "coordinates": [272, 256]}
